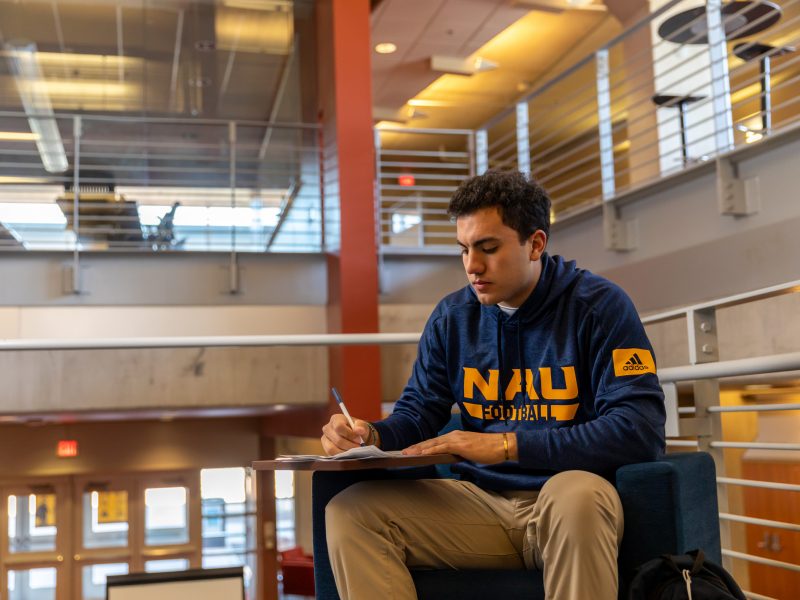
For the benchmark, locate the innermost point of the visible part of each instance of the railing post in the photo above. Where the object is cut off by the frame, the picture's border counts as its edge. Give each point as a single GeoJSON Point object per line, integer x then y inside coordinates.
{"type": "Point", "coordinates": [471, 152]}
{"type": "Point", "coordinates": [720, 82]}
{"type": "Point", "coordinates": [523, 140]}
{"type": "Point", "coordinates": [707, 426]}
{"type": "Point", "coordinates": [379, 208]}
{"type": "Point", "coordinates": [481, 151]}
{"type": "Point", "coordinates": [604, 124]}
{"type": "Point", "coordinates": [233, 267]}
{"type": "Point", "coordinates": [77, 131]}
{"type": "Point", "coordinates": [618, 235]}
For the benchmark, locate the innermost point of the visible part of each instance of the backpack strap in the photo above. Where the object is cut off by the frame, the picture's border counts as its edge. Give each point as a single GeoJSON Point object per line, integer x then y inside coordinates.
{"type": "Point", "coordinates": [699, 559]}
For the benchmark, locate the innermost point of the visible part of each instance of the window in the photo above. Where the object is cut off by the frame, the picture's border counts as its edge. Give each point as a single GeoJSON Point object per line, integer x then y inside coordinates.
{"type": "Point", "coordinates": [105, 519]}
{"type": "Point", "coordinates": [94, 579]}
{"type": "Point", "coordinates": [166, 516]}
{"type": "Point", "coordinates": [229, 520]}
{"type": "Point", "coordinates": [32, 523]}
{"type": "Point", "coordinates": [284, 510]}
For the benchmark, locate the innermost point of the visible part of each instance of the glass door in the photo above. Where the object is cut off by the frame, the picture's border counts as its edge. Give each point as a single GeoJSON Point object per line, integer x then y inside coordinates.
{"type": "Point", "coordinates": [171, 528]}
{"type": "Point", "coordinates": [106, 518]}
{"type": "Point", "coordinates": [64, 536]}
{"type": "Point", "coordinates": [35, 550]}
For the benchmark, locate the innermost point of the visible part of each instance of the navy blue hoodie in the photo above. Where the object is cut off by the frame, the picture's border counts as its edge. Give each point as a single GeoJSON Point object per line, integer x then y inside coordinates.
{"type": "Point", "coordinates": [578, 349]}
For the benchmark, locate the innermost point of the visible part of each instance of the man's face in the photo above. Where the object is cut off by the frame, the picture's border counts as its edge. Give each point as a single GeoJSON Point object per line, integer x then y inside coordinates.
{"type": "Point", "coordinates": [500, 269]}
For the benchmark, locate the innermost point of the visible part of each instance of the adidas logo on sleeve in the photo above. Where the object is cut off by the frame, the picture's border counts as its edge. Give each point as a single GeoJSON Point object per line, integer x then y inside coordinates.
{"type": "Point", "coordinates": [633, 361]}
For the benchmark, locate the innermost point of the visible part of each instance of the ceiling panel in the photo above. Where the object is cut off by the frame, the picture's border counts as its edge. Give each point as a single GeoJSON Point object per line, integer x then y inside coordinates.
{"type": "Point", "coordinates": [208, 58]}
{"type": "Point", "coordinates": [526, 45]}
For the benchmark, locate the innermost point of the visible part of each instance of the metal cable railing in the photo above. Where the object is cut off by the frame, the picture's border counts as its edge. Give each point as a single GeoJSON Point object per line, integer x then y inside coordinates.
{"type": "Point", "coordinates": [153, 184]}
{"type": "Point", "coordinates": [413, 186]}
{"type": "Point", "coordinates": [701, 420]}
{"type": "Point", "coordinates": [566, 147]}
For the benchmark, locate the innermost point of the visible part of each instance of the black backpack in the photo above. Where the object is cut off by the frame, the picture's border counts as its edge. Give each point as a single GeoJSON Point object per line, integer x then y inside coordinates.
{"type": "Point", "coordinates": [683, 577]}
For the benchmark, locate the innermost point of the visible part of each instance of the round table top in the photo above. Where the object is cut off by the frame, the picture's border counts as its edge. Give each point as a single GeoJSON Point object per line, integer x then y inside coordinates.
{"type": "Point", "coordinates": [751, 50]}
{"type": "Point", "coordinates": [737, 17]}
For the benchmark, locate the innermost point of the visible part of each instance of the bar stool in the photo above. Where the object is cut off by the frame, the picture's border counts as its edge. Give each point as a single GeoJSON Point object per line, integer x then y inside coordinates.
{"type": "Point", "coordinates": [748, 51]}
{"type": "Point", "coordinates": [679, 102]}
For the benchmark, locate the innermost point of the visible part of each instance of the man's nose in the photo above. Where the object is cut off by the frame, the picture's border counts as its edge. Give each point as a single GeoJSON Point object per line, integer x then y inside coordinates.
{"type": "Point", "coordinates": [472, 264]}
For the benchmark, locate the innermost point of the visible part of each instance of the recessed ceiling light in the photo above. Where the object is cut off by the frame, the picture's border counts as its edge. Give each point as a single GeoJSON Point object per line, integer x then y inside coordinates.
{"type": "Point", "coordinates": [385, 48]}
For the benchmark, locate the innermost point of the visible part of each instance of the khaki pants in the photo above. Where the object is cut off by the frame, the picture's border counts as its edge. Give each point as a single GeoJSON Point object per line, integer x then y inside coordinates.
{"type": "Point", "coordinates": [571, 529]}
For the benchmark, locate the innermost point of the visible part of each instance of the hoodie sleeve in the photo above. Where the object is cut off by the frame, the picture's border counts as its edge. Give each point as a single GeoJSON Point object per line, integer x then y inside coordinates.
{"type": "Point", "coordinates": [424, 407]}
{"type": "Point", "coordinates": [626, 422]}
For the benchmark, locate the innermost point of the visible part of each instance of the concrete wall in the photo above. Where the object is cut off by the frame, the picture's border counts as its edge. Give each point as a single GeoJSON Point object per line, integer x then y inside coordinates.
{"type": "Point", "coordinates": [161, 379]}
{"type": "Point", "coordinates": [687, 251]}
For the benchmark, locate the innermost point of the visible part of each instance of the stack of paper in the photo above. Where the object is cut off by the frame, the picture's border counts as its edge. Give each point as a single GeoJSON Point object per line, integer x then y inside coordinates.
{"type": "Point", "coordinates": [352, 454]}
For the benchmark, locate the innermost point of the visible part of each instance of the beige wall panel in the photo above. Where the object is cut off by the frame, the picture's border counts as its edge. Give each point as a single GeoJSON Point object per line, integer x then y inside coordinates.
{"type": "Point", "coordinates": [769, 326]}
{"type": "Point", "coordinates": [9, 323]}
{"type": "Point", "coordinates": [161, 378]}
{"type": "Point", "coordinates": [144, 321]}
{"type": "Point", "coordinates": [397, 360]}
{"type": "Point", "coordinates": [670, 342]}
{"type": "Point", "coordinates": [29, 381]}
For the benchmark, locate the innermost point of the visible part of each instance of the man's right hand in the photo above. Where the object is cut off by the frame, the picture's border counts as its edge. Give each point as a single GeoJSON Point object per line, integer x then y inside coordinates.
{"type": "Point", "coordinates": [337, 436]}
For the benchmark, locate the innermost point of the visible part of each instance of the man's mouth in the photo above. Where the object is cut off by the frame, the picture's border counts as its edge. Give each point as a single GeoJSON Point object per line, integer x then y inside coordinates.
{"type": "Point", "coordinates": [481, 285]}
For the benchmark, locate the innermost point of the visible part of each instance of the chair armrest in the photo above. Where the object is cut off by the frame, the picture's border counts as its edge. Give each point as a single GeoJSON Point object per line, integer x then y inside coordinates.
{"type": "Point", "coordinates": [324, 486]}
{"type": "Point", "coordinates": [670, 507]}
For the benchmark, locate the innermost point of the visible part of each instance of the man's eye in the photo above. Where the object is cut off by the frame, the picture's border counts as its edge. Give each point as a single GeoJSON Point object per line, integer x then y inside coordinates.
{"type": "Point", "coordinates": [491, 250]}
{"type": "Point", "coordinates": [463, 251]}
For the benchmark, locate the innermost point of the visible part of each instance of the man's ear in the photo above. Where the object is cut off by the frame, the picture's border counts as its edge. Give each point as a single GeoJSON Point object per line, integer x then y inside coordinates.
{"type": "Point", "coordinates": [538, 243]}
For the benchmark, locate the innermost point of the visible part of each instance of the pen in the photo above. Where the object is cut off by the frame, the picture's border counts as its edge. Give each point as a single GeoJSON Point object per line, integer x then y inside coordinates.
{"type": "Point", "coordinates": [346, 414]}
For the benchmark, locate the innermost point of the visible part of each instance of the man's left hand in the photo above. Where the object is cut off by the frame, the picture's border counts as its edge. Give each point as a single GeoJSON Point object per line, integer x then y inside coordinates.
{"type": "Point", "coordinates": [485, 448]}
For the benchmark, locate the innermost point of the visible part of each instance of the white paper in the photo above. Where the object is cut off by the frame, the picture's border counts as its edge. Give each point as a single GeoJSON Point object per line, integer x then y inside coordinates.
{"type": "Point", "coordinates": [352, 454]}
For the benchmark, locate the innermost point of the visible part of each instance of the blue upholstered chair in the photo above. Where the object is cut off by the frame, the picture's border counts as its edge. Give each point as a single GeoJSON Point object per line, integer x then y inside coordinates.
{"type": "Point", "coordinates": [670, 507]}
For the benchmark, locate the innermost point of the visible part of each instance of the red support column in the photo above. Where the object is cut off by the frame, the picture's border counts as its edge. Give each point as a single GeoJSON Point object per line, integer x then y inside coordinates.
{"type": "Point", "coordinates": [346, 113]}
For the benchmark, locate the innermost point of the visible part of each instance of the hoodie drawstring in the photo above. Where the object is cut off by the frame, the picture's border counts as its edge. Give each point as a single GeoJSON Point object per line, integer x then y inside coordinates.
{"type": "Point", "coordinates": [523, 370]}
{"type": "Point", "coordinates": [501, 387]}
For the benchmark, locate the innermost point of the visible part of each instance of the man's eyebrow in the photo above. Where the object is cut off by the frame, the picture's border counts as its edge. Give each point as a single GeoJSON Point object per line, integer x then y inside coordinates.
{"type": "Point", "coordinates": [486, 240]}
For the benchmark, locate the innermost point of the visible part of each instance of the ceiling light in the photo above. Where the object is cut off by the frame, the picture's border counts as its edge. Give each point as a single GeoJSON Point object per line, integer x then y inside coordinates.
{"type": "Point", "coordinates": [422, 102]}
{"type": "Point", "coordinates": [36, 103]}
{"type": "Point", "coordinates": [558, 6]}
{"type": "Point", "coordinates": [385, 48]}
{"type": "Point", "coordinates": [461, 66]}
{"type": "Point", "coordinates": [262, 5]}
{"type": "Point", "coordinates": [18, 136]}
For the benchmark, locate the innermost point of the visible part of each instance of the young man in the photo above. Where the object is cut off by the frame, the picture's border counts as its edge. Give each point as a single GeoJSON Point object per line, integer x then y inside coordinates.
{"type": "Point", "coordinates": [555, 381]}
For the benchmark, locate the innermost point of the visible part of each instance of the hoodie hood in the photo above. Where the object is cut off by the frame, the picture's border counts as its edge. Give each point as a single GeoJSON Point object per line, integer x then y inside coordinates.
{"type": "Point", "coordinates": [558, 275]}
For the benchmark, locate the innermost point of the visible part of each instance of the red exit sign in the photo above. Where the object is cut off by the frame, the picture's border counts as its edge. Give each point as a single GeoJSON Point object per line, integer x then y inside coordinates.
{"type": "Point", "coordinates": [67, 448]}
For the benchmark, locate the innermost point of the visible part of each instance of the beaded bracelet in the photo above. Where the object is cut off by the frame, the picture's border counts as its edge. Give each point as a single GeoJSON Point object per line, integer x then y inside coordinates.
{"type": "Point", "coordinates": [373, 434]}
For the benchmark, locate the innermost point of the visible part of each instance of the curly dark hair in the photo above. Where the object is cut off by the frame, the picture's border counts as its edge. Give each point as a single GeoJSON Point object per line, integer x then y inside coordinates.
{"type": "Point", "coordinates": [524, 204]}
